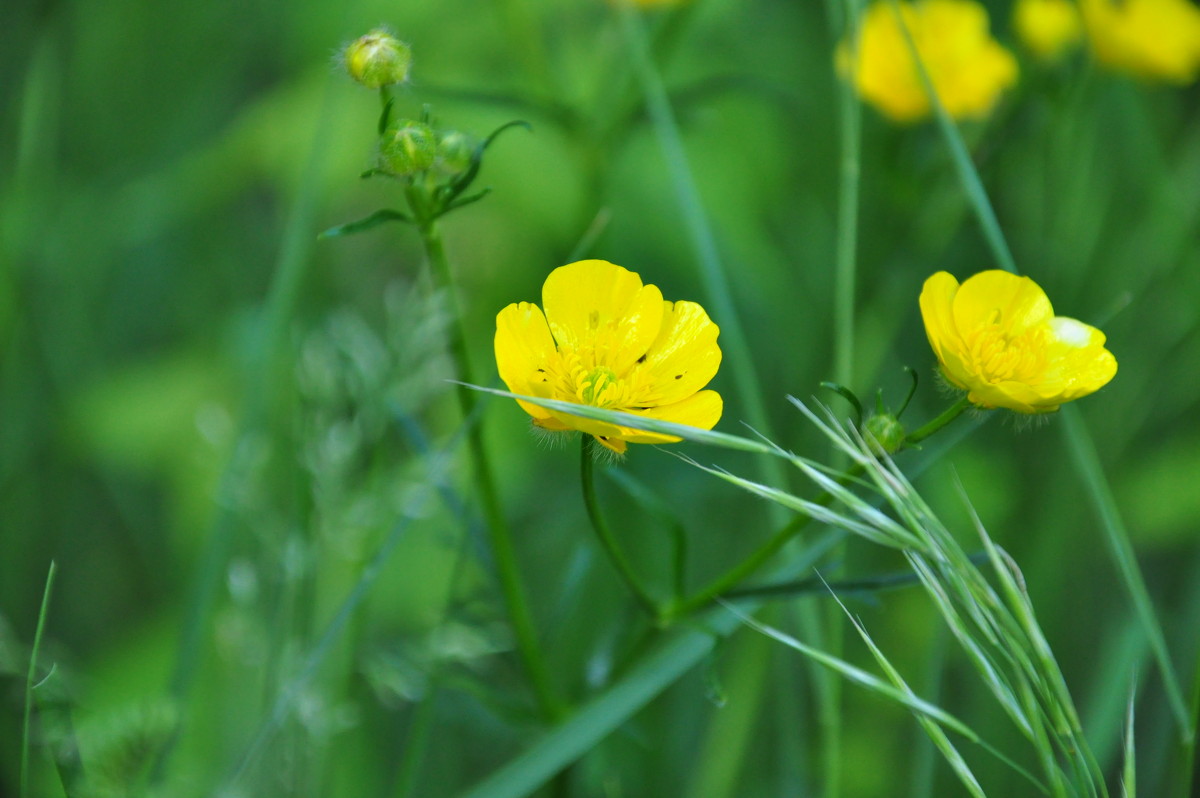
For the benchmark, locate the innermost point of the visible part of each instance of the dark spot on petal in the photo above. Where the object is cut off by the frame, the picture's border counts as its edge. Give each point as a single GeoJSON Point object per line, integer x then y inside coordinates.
{"type": "Point", "coordinates": [679, 376]}
{"type": "Point", "coordinates": [541, 371]}
{"type": "Point", "coordinates": [642, 359]}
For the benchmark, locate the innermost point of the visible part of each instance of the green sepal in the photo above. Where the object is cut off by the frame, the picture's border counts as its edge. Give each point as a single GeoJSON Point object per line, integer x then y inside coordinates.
{"type": "Point", "coordinates": [374, 220]}
{"type": "Point", "coordinates": [848, 395]}
{"type": "Point", "coordinates": [912, 372]}
{"type": "Point", "coordinates": [466, 200]}
{"type": "Point", "coordinates": [385, 115]}
{"type": "Point", "coordinates": [447, 193]}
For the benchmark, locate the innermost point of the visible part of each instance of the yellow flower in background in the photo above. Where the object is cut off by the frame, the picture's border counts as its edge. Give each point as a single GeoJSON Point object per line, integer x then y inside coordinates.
{"type": "Point", "coordinates": [996, 336]}
{"type": "Point", "coordinates": [1153, 39]}
{"type": "Point", "coordinates": [608, 341]}
{"type": "Point", "coordinates": [1049, 28]}
{"type": "Point", "coordinates": [968, 68]}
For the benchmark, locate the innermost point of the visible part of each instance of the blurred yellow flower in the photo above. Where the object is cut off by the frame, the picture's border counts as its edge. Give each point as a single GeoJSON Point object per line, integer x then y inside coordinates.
{"type": "Point", "coordinates": [997, 337]}
{"type": "Point", "coordinates": [608, 341]}
{"type": "Point", "coordinates": [1049, 28]}
{"type": "Point", "coordinates": [968, 68]}
{"type": "Point", "coordinates": [1154, 39]}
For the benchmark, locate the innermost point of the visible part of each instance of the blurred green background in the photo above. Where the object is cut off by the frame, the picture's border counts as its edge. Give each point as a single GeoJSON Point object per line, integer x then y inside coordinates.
{"type": "Point", "coordinates": [165, 170]}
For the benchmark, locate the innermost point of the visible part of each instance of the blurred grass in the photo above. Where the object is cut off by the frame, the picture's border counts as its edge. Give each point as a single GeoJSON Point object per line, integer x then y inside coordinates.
{"type": "Point", "coordinates": [151, 156]}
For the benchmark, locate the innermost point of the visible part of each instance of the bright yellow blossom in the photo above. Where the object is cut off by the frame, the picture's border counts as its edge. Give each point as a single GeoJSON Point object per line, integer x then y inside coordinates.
{"type": "Point", "coordinates": [1153, 39]}
{"type": "Point", "coordinates": [968, 68]}
{"type": "Point", "coordinates": [997, 337]}
{"type": "Point", "coordinates": [1049, 28]}
{"type": "Point", "coordinates": [608, 341]}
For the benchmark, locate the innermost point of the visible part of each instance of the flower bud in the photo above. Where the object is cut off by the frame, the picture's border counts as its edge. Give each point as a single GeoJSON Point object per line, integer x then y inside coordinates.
{"type": "Point", "coordinates": [378, 59]}
{"type": "Point", "coordinates": [408, 148]}
{"type": "Point", "coordinates": [884, 432]}
{"type": "Point", "coordinates": [455, 151]}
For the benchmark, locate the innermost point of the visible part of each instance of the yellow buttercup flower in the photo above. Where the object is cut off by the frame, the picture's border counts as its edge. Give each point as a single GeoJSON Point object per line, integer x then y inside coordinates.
{"type": "Point", "coordinates": [1153, 39]}
{"type": "Point", "coordinates": [968, 68]}
{"type": "Point", "coordinates": [1049, 28]}
{"type": "Point", "coordinates": [608, 341]}
{"type": "Point", "coordinates": [996, 336]}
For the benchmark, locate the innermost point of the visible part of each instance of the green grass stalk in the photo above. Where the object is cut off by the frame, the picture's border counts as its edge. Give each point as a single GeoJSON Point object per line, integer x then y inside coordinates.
{"type": "Point", "coordinates": [718, 292]}
{"type": "Point", "coordinates": [499, 534]}
{"type": "Point", "coordinates": [828, 688]}
{"type": "Point", "coordinates": [727, 581]}
{"type": "Point", "coordinates": [1087, 464]}
{"type": "Point", "coordinates": [30, 676]}
{"type": "Point", "coordinates": [272, 361]}
{"type": "Point", "coordinates": [607, 540]}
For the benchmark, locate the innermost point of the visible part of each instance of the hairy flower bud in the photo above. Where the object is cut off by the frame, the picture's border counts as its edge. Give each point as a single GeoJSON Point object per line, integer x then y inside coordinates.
{"type": "Point", "coordinates": [885, 432]}
{"type": "Point", "coordinates": [378, 59]}
{"type": "Point", "coordinates": [408, 148]}
{"type": "Point", "coordinates": [455, 151]}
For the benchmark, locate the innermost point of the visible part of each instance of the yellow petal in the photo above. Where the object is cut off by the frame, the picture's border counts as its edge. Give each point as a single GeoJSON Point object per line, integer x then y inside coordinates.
{"type": "Point", "coordinates": [937, 304]}
{"type": "Point", "coordinates": [1010, 395]}
{"type": "Point", "coordinates": [683, 358]}
{"type": "Point", "coordinates": [523, 350]}
{"type": "Point", "coordinates": [1077, 363]}
{"type": "Point", "coordinates": [702, 410]}
{"type": "Point", "coordinates": [598, 307]}
{"type": "Point", "coordinates": [998, 297]}
{"type": "Point", "coordinates": [615, 444]}
{"type": "Point", "coordinates": [601, 429]}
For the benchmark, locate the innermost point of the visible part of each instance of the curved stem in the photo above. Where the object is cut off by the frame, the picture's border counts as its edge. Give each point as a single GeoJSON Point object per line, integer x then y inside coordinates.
{"type": "Point", "coordinates": [949, 414]}
{"type": "Point", "coordinates": [499, 534]}
{"type": "Point", "coordinates": [734, 576]}
{"type": "Point", "coordinates": [619, 560]}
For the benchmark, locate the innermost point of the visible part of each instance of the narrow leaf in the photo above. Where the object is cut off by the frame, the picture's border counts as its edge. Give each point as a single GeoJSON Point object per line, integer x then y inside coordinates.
{"type": "Point", "coordinates": [374, 220]}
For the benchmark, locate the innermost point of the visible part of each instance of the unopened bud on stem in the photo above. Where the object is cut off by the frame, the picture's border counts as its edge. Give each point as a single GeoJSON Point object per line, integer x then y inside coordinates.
{"type": "Point", "coordinates": [378, 59]}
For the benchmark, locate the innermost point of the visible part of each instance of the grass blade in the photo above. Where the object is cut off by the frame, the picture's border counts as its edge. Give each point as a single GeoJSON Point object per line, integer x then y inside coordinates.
{"type": "Point", "coordinates": [29, 677]}
{"type": "Point", "coordinates": [1087, 463]}
{"type": "Point", "coordinates": [712, 273]}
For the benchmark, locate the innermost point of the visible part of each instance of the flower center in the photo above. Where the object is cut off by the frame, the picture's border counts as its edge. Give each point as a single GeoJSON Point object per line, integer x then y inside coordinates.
{"type": "Point", "coordinates": [599, 387]}
{"type": "Point", "coordinates": [1001, 357]}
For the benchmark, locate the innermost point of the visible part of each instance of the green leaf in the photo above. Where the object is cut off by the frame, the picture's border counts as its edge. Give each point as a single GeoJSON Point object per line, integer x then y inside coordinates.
{"type": "Point", "coordinates": [374, 220]}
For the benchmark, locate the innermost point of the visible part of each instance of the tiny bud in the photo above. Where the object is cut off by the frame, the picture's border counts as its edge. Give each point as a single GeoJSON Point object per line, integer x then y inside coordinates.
{"type": "Point", "coordinates": [884, 432]}
{"type": "Point", "coordinates": [455, 151]}
{"type": "Point", "coordinates": [378, 59]}
{"type": "Point", "coordinates": [408, 148]}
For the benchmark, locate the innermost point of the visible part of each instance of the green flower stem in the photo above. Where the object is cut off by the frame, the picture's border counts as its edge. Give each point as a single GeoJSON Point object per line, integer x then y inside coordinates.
{"type": "Point", "coordinates": [619, 560]}
{"type": "Point", "coordinates": [949, 414]}
{"type": "Point", "coordinates": [736, 575]}
{"type": "Point", "coordinates": [499, 534]}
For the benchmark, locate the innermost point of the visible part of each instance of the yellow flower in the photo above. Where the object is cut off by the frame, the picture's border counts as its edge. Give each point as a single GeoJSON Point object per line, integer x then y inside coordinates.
{"type": "Point", "coordinates": [968, 68]}
{"type": "Point", "coordinates": [997, 337]}
{"type": "Point", "coordinates": [1049, 28]}
{"type": "Point", "coordinates": [1154, 39]}
{"type": "Point", "coordinates": [608, 341]}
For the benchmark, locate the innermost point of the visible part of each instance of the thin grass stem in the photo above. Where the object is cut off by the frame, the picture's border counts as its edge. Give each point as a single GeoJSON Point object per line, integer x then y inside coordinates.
{"type": "Point", "coordinates": [718, 291]}
{"type": "Point", "coordinates": [1087, 463]}
{"type": "Point", "coordinates": [607, 540]}
{"type": "Point", "coordinates": [43, 613]}
{"type": "Point", "coordinates": [747, 567]}
{"type": "Point", "coordinates": [271, 368]}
